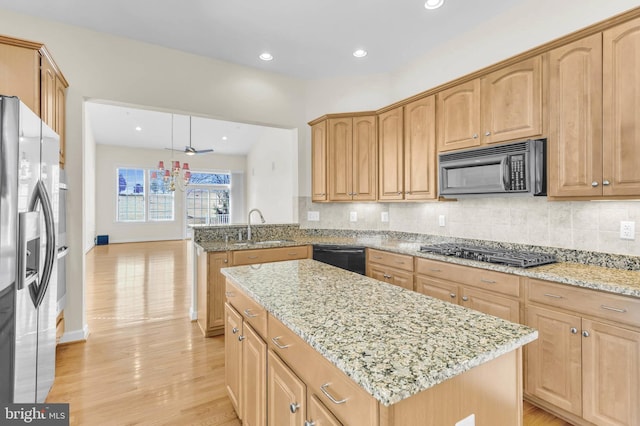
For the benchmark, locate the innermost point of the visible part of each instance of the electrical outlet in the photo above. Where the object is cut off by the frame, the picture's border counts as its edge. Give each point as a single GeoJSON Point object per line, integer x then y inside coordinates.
{"type": "Point", "coordinates": [467, 421]}
{"type": "Point", "coordinates": [384, 216]}
{"type": "Point", "coordinates": [313, 216]}
{"type": "Point", "coordinates": [353, 216]}
{"type": "Point", "coordinates": [627, 230]}
{"type": "Point", "coordinates": [441, 220]}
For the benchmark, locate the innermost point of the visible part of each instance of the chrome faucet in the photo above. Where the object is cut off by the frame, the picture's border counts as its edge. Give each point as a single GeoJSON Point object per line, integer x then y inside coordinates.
{"type": "Point", "coordinates": [249, 222]}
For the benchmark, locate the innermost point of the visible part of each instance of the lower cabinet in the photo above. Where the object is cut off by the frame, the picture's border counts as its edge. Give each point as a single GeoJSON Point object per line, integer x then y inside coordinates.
{"type": "Point", "coordinates": [210, 287]}
{"type": "Point", "coordinates": [489, 292]}
{"type": "Point", "coordinates": [393, 268]}
{"type": "Point", "coordinates": [285, 394]}
{"type": "Point", "coordinates": [585, 369]}
{"type": "Point", "coordinates": [254, 386]}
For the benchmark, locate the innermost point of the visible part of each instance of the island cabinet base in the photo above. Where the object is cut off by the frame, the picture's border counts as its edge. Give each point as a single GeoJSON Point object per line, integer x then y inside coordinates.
{"type": "Point", "coordinates": [492, 392]}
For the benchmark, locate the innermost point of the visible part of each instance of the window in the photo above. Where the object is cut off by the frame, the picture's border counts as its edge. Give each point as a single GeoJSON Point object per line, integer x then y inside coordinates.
{"type": "Point", "coordinates": [160, 198]}
{"type": "Point", "coordinates": [207, 199]}
{"type": "Point", "coordinates": [131, 195]}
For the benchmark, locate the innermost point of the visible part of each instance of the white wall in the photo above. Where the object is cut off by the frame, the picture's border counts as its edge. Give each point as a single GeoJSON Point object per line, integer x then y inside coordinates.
{"type": "Point", "coordinates": [272, 176]}
{"type": "Point", "coordinates": [111, 157]}
{"type": "Point", "coordinates": [89, 193]}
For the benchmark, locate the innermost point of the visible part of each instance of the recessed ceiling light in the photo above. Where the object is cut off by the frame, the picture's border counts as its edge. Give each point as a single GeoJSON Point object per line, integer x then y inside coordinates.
{"type": "Point", "coordinates": [433, 4]}
{"type": "Point", "coordinates": [360, 53]}
{"type": "Point", "coordinates": [224, 138]}
{"type": "Point", "coordinates": [266, 56]}
{"type": "Point", "coordinates": [138, 129]}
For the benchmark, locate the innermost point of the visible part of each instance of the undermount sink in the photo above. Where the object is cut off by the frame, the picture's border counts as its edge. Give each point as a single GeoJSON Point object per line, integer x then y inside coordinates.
{"type": "Point", "coordinates": [273, 242]}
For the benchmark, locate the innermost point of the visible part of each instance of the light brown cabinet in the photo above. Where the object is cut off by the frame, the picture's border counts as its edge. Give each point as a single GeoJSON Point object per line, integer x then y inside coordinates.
{"type": "Point", "coordinates": [286, 394]}
{"type": "Point", "coordinates": [352, 158]}
{"type": "Point", "coordinates": [501, 106]}
{"type": "Point", "coordinates": [210, 286]}
{"type": "Point", "coordinates": [584, 367]}
{"type": "Point", "coordinates": [233, 357]}
{"type": "Point", "coordinates": [277, 254]}
{"type": "Point", "coordinates": [319, 161]}
{"type": "Point", "coordinates": [407, 149]}
{"type": "Point", "coordinates": [393, 268]}
{"type": "Point", "coordinates": [489, 292]}
{"type": "Point", "coordinates": [28, 71]}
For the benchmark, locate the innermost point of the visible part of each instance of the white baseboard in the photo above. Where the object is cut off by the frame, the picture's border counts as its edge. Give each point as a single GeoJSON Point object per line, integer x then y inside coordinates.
{"type": "Point", "coordinates": [73, 336]}
{"type": "Point", "coordinates": [194, 314]}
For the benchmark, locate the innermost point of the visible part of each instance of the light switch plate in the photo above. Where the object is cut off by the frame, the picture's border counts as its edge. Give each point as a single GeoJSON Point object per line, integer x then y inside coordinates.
{"type": "Point", "coordinates": [353, 216]}
{"type": "Point", "coordinates": [384, 216]}
{"type": "Point", "coordinates": [313, 216]}
{"type": "Point", "coordinates": [441, 220]}
{"type": "Point", "coordinates": [627, 230]}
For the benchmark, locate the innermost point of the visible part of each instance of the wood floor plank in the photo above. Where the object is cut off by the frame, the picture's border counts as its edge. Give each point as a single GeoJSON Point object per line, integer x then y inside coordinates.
{"type": "Point", "coordinates": [145, 362]}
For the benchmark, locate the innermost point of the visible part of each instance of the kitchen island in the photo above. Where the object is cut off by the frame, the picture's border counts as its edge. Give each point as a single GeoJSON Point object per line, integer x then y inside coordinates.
{"type": "Point", "coordinates": [417, 360]}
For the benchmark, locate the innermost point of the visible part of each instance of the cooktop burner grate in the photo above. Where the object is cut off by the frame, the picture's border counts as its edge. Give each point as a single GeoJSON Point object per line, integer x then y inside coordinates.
{"type": "Point", "coordinates": [521, 259]}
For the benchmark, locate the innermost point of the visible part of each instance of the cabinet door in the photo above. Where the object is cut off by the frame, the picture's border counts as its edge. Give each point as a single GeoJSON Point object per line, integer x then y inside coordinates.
{"type": "Point", "coordinates": [458, 110]}
{"type": "Point", "coordinates": [554, 359]}
{"type": "Point", "coordinates": [490, 303]}
{"type": "Point", "coordinates": [285, 395]}
{"type": "Point", "coordinates": [233, 357]}
{"type": "Point", "coordinates": [611, 374]}
{"type": "Point", "coordinates": [443, 290]}
{"type": "Point", "coordinates": [319, 162]}
{"type": "Point", "coordinates": [340, 158]}
{"type": "Point", "coordinates": [401, 278]}
{"type": "Point", "coordinates": [254, 378]}
{"type": "Point", "coordinates": [319, 415]}
{"type": "Point", "coordinates": [365, 163]}
{"type": "Point", "coordinates": [391, 152]}
{"type": "Point", "coordinates": [202, 265]}
{"type": "Point", "coordinates": [575, 118]}
{"type": "Point", "coordinates": [420, 150]}
{"type": "Point", "coordinates": [47, 92]}
{"type": "Point", "coordinates": [20, 74]}
{"type": "Point", "coordinates": [60, 116]}
{"type": "Point", "coordinates": [216, 284]}
{"type": "Point", "coordinates": [621, 109]}
{"type": "Point", "coordinates": [512, 102]}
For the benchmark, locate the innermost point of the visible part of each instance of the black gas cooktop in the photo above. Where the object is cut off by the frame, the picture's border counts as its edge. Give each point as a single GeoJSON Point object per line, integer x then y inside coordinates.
{"type": "Point", "coordinates": [520, 259]}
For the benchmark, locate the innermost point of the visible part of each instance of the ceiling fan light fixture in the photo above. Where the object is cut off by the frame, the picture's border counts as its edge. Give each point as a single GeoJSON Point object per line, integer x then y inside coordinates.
{"type": "Point", "coordinates": [433, 4]}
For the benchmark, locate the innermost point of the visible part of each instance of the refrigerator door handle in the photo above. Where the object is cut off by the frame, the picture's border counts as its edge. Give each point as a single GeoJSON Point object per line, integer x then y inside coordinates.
{"type": "Point", "coordinates": [28, 248]}
{"type": "Point", "coordinates": [36, 291]}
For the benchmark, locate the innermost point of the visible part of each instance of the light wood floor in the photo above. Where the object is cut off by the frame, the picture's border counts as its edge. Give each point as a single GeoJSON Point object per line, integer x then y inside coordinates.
{"type": "Point", "coordinates": [145, 362]}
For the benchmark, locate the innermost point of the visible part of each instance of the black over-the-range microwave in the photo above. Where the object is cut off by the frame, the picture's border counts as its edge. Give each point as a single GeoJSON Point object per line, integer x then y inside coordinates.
{"type": "Point", "coordinates": [515, 168]}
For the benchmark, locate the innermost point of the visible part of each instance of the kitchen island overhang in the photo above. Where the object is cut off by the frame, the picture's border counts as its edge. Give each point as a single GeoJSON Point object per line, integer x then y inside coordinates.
{"type": "Point", "coordinates": [393, 343]}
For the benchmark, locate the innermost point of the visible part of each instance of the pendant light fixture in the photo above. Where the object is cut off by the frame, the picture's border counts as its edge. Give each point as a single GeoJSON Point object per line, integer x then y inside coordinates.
{"type": "Point", "coordinates": [175, 177]}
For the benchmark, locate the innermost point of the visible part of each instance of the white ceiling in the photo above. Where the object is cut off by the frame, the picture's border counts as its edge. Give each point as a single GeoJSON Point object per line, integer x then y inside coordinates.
{"type": "Point", "coordinates": [309, 40]}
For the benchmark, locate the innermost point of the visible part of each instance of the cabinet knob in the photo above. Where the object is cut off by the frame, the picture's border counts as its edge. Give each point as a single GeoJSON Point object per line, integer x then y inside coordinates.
{"type": "Point", "coordinates": [487, 133]}
{"type": "Point", "coordinates": [241, 338]}
{"type": "Point", "coordinates": [309, 423]}
{"type": "Point", "coordinates": [465, 298]}
{"type": "Point", "coordinates": [399, 192]}
{"type": "Point", "coordinates": [594, 183]}
{"type": "Point", "coordinates": [234, 330]}
{"type": "Point", "coordinates": [453, 295]}
{"type": "Point", "coordinates": [408, 192]}
{"type": "Point", "coordinates": [605, 182]}
{"type": "Point", "coordinates": [574, 330]}
{"type": "Point", "coordinates": [293, 407]}
{"type": "Point", "coordinates": [475, 136]}
{"type": "Point", "coordinates": [585, 333]}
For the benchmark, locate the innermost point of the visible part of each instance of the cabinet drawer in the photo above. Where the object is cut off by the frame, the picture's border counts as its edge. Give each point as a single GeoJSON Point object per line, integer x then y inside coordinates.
{"type": "Point", "coordinates": [584, 301]}
{"type": "Point", "coordinates": [249, 257]}
{"type": "Point", "coordinates": [251, 311]}
{"type": "Point", "coordinates": [482, 278]}
{"type": "Point", "coordinates": [351, 404]}
{"type": "Point", "coordinates": [394, 260]}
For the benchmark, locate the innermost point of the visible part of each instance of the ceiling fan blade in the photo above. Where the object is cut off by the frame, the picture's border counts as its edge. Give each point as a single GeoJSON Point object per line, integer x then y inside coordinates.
{"type": "Point", "coordinates": [202, 151]}
{"type": "Point", "coordinates": [173, 149]}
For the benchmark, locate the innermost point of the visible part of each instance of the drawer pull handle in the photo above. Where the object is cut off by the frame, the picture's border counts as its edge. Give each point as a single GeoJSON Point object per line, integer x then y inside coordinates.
{"type": "Point", "coordinates": [453, 295]}
{"type": "Point", "coordinates": [386, 276]}
{"type": "Point", "coordinates": [435, 270]}
{"type": "Point", "coordinates": [377, 257]}
{"type": "Point", "coordinates": [252, 257]}
{"type": "Point", "coordinates": [293, 407]}
{"type": "Point", "coordinates": [234, 330]}
{"type": "Point", "coordinates": [326, 393]}
{"type": "Point", "coordinates": [554, 296]}
{"type": "Point", "coordinates": [401, 262]}
{"type": "Point", "coordinates": [248, 313]}
{"type": "Point", "coordinates": [276, 341]}
{"type": "Point", "coordinates": [487, 281]}
{"type": "Point", "coordinates": [609, 308]}
{"type": "Point", "coordinates": [229, 294]}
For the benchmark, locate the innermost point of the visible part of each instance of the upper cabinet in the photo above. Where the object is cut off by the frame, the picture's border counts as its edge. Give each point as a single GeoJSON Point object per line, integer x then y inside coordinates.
{"type": "Point", "coordinates": [407, 152]}
{"type": "Point", "coordinates": [351, 158]}
{"type": "Point", "coordinates": [594, 115]}
{"type": "Point", "coordinates": [30, 73]}
{"type": "Point", "coordinates": [621, 110]}
{"type": "Point", "coordinates": [501, 106]}
{"type": "Point", "coordinates": [319, 161]}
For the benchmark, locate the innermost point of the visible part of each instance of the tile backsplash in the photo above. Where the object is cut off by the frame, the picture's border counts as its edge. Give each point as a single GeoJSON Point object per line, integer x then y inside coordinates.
{"type": "Point", "coordinates": [580, 225]}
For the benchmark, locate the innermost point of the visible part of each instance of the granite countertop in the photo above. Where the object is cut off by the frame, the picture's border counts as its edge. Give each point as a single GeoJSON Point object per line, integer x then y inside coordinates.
{"type": "Point", "coordinates": [392, 342]}
{"type": "Point", "coordinates": [612, 280]}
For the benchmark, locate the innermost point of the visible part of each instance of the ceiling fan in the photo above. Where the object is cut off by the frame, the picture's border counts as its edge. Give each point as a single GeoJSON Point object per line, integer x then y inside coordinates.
{"type": "Point", "coordinates": [188, 150]}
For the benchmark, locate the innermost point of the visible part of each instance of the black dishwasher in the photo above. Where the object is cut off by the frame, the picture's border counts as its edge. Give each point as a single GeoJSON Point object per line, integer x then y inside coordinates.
{"type": "Point", "coordinates": [351, 258]}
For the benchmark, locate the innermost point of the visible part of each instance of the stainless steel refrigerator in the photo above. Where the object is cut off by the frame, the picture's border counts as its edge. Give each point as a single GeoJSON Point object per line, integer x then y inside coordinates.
{"type": "Point", "coordinates": [29, 210]}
